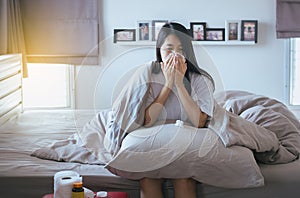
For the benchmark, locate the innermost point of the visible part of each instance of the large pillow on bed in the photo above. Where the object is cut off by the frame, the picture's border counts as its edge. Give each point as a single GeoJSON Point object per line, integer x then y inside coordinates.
{"type": "Point", "coordinates": [169, 151]}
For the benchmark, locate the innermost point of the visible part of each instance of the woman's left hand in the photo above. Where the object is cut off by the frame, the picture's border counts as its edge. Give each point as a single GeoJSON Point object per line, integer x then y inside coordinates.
{"type": "Point", "coordinates": [180, 69]}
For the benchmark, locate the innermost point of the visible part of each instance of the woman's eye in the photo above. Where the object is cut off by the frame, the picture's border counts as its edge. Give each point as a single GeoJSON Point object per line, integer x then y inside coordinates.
{"type": "Point", "coordinates": [180, 50]}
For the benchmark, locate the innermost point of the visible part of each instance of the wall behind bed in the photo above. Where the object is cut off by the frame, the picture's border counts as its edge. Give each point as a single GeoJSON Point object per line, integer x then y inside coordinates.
{"type": "Point", "coordinates": [258, 68]}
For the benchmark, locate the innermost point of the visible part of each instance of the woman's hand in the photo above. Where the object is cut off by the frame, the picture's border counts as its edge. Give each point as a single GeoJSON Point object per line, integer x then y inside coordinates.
{"type": "Point", "coordinates": [168, 69]}
{"type": "Point", "coordinates": [180, 69]}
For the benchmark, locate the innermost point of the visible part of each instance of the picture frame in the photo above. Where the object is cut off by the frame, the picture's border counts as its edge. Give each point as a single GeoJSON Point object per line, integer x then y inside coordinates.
{"type": "Point", "coordinates": [198, 31]}
{"type": "Point", "coordinates": [124, 35]}
{"type": "Point", "coordinates": [144, 30]}
{"type": "Point", "coordinates": [156, 26]}
{"type": "Point", "coordinates": [232, 30]}
{"type": "Point", "coordinates": [215, 34]}
{"type": "Point", "coordinates": [249, 30]}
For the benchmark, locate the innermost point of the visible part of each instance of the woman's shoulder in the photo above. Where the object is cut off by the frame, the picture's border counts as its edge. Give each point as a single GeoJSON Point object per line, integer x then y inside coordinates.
{"type": "Point", "coordinates": [147, 66]}
{"type": "Point", "coordinates": [200, 79]}
{"type": "Point", "coordinates": [196, 76]}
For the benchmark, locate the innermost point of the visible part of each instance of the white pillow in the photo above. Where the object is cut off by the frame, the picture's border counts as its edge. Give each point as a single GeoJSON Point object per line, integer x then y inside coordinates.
{"type": "Point", "coordinates": [169, 151]}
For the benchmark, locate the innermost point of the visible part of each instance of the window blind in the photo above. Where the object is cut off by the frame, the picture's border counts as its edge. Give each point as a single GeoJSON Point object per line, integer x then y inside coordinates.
{"type": "Point", "coordinates": [61, 31]}
{"type": "Point", "coordinates": [3, 27]}
{"type": "Point", "coordinates": [287, 18]}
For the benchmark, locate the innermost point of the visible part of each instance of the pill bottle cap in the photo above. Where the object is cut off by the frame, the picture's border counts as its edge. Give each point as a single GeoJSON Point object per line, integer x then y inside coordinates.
{"type": "Point", "coordinates": [77, 185]}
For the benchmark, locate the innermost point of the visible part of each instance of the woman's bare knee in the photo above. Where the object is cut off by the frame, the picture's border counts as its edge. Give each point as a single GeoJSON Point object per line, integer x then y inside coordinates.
{"type": "Point", "coordinates": [184, 188]}
{"type": "Point", "coordinates": [151, 188]}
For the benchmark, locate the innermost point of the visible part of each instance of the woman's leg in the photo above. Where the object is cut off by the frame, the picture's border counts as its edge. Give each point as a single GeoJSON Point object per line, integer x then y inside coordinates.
{"type": "Point", "coordinates": [151, 188]}
{"type": "Point", "coordinates": [184, 188]}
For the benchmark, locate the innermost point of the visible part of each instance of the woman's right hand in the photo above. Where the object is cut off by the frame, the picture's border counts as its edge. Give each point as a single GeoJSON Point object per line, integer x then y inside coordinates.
{"type": "Point", "coordinates": [168, 69]}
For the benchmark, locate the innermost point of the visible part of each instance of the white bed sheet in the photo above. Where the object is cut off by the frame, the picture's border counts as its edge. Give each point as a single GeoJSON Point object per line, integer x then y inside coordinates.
{"type": "Point", "coordinates": [24, 176]}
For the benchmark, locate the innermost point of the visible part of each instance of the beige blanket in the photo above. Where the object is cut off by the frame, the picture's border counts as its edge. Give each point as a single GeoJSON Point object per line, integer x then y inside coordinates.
{"type": "Point", "coordinates": [241, 121]}
{"type": "Point", "coordinates": [258, 122]}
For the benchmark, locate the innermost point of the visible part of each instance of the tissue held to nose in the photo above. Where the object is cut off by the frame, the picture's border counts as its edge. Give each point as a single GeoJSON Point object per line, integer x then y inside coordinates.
{"type": "Point", "coordinates": [174, 54]}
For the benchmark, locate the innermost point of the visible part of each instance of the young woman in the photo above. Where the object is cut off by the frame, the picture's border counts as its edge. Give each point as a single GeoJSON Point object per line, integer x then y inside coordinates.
{"type": "Point", "coordinates": [180, 90]}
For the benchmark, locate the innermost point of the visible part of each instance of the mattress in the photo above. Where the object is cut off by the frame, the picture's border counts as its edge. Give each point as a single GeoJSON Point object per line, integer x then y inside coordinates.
{"type": "Point", "coordinates": [24, 176]}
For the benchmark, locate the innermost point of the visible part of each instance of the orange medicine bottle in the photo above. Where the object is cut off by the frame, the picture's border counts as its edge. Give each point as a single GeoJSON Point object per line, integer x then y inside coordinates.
{"type": "Point", "coordinates": [77, 190]}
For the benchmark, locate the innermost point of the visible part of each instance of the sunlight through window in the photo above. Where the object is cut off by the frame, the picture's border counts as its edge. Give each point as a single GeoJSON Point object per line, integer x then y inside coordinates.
{"type": "Point", "coordinates": [48, 86]}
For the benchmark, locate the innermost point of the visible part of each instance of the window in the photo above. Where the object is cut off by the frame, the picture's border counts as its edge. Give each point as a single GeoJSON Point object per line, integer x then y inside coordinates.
{"type": "Point", "coordinates": [48, 86]}
{"type": "Point", "coordinates": [294, 72]}
{"type": "Point", "coordinates": [67, 29]}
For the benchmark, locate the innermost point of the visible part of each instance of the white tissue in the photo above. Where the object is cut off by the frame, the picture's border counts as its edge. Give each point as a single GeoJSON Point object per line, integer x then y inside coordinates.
{"type": "Point", "coordinates": [102, 194]}
{"type": "Point", "coordinates": [175, 54]}
{"type": "Point", "coordinates": [179, 123]}
{"type": "Point", "coordinates": [63, 183]}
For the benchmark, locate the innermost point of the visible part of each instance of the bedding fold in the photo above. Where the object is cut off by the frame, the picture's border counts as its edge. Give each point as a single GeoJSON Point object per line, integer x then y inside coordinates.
{"type": "Point", "coordinates": [128, 109]}
{"type": "Point", "coordinates": [265, 118]}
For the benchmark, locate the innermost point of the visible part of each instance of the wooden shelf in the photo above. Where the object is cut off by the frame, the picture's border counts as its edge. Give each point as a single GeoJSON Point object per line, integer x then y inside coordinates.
{"type": "Point", "coordinates": [204, 43]}
{"type": "Point", "coordinates": [223, 42]}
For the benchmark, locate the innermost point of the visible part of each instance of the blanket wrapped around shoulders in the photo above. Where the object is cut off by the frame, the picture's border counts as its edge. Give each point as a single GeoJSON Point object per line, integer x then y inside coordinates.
{"type": "Point", "coordinates": [128, 110]}
{"type": "Point", "coordinates": [126, 115]}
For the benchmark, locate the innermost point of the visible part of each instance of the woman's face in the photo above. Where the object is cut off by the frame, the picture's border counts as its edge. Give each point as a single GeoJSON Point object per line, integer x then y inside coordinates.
{"type": "Point", "coordinates": [171, 45]}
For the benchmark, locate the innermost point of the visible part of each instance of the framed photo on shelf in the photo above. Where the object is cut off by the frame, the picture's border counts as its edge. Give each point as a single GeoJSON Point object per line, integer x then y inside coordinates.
{"type": "Point", "coordinates": [232, 30]}
{"type": "Point", "coordinates": [198, 30]}
{"type": "Point", "coordinates": [144, 31]}
{"type": "Point", "coordinates": [215, 34]}
{"type": "Point", "coordinates": [156, 26]}
{"type": "Point", "coordinates": [249, 30]}
{"type": "Point", "coordinates": [121, 35]}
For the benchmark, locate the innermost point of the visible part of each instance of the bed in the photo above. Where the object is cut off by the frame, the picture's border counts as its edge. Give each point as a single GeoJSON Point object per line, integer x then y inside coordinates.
{"type": "Point", "coordinates": [25, 176]}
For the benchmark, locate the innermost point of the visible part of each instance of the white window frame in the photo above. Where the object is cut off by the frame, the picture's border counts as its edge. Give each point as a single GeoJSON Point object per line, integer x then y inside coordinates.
{"type": "Point", "coordinates": [71, 90]}
{"type": "Point", "coordinates": [294, 108]}
{"type": "Point", "coordinates": [71, 93]}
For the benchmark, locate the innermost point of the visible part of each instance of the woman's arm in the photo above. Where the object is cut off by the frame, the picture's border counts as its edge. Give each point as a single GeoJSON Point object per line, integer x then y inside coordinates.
{"type": "Point", "coordinates": [196, 116]}
{"type": "Point", "coordinates": [152, 111]}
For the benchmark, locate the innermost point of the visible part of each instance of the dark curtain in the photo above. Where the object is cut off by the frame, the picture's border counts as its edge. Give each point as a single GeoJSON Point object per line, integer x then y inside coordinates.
{"type": "Point", "coordinates": [61, 31]}
{"type": "Point", "coordinates": [288, 18]}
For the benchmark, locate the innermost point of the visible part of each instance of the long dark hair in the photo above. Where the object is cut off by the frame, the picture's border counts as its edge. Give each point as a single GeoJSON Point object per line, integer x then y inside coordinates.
{"type": "Point", "coordinates": [188, 51]}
